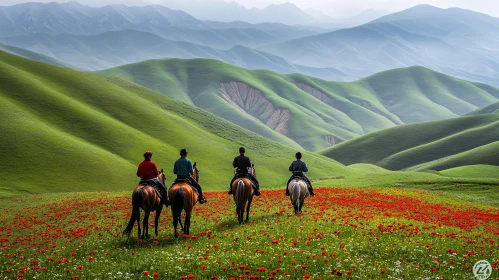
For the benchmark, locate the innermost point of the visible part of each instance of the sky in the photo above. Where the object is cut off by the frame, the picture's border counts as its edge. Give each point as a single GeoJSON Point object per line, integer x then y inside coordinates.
{"type": "Point", "coordinates": [333, 8]}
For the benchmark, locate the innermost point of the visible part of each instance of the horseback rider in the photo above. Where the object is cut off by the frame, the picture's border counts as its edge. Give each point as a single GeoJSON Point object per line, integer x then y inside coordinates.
{"type": "Point", "coordinates": [148, 173]}
{"type": "Point", "coordinates": [242, 163]}
{"type": "Point", "coordinates": [298, 167]}
{"type": "Point", "coordinates": [184, 170]}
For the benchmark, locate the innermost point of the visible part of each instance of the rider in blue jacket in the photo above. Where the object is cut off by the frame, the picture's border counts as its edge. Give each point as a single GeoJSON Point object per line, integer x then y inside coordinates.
{"type": "Point", "coordinates": [298, 167]}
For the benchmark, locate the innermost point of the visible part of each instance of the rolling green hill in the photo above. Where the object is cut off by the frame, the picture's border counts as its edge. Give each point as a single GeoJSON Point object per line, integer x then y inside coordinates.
{"type": "Point", "coordinates": [472, 171]}
{"type": "Point", "coordinates": [314, 113]}
{"type": "Point", "coordinates": [491, 109]}
{"type": "Point", "coordinates": [32, 55]}
{"type": "Point", "coordinates": [64, 130]}
{"type": "Point", "coordinates": [438, 145]}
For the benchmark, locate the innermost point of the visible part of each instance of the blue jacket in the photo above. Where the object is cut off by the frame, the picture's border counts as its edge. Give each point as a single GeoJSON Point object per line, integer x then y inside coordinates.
{"type": "Point", "coordinates": [183, 167]}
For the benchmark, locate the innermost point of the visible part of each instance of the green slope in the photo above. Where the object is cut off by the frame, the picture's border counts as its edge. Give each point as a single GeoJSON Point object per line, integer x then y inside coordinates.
{"type": "Point", "coordinates": [472, 171]}
{"type": "Point", "coordinates": [321, 113]}
{"type": "Point", "coordinates": [491, 109]}
{"type": "Point", "coordinates": [64, 130]}
{"type": "Point", "coordinates": [435, 145]}
{"type": "Point", "coordinates": [32, 55]}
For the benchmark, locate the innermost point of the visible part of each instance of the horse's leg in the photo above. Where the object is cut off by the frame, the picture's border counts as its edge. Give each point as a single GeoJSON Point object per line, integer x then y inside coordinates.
{"type": "Point", "coordinates": [187, 224]}
{"type": "Point", "coordinates": [138, 223]}
{"type": "Point", "coordinates": [180, 222]}
{"type": "Point", "coordinates": [145, 223]}
{"type": "Point", "coordinates": [248, 208]}
{"type": "Point", "coordinates": [240, 214]}
{"type": "Point", "coordinates": [176, 217]}
{"type": "Point", "coordinates": [301, 205]}
{"type": "Point", "coordinates": [156, 220]}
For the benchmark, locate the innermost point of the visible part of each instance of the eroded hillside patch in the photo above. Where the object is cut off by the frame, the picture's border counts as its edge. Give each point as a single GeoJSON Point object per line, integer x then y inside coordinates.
{"type": "Point", "coordinates": [253, 102]}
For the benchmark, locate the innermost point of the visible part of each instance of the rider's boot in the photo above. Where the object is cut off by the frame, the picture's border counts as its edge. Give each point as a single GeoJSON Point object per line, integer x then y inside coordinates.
{"type": "Point", "coordinates": [311, 191]}
{"type": "Point", "coordinates": [287, 192]}
{"type": "Point", "coordinates": [202, 199]}
{"type": "Point", "coordinates": [167, 202]}
{"type": "Point", "coordinates": [230, 189]}
{"type": "Point", "coordinates": [257, 192]}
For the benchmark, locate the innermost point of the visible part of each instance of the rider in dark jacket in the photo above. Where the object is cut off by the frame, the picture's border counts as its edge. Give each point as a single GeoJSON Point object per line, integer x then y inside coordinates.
{"type": "Point", "coordinates": [183, 168]}
{"type": "Point", "coordinates": [242, 163]}
{"type": "Point", "coordinates": [298, 167]}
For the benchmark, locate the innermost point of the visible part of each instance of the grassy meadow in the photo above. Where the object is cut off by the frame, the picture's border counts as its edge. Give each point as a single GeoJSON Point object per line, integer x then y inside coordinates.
{"type": "Point", "coordinates": [344, 232]}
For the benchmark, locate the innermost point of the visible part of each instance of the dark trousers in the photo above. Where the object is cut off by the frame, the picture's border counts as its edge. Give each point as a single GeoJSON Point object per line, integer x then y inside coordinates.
{"type": "Point", "coordinates": [193, 183]}
{"type": "Point", "coordinates": [304, 177]}
{"type": "Point", "coordinates": [252, 178]}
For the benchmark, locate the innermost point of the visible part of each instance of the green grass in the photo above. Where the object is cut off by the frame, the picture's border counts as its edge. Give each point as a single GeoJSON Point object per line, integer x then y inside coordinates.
{"type": "Point", "coordinates": [374, 233]}
{"type": "Point", "coordinates": [472, 171]}
{"type": "Point", "coordinates": [64, 130]}
{"type": "Point", "coordinates": [432, 145]}
{"type": "Point", "coordinates": [344, 110]}
{"type": "Point", "coordinates": [367, 167]}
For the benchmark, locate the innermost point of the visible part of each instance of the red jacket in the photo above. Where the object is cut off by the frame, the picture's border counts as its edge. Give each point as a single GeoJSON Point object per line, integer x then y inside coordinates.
{"type": "Point", "coordinates": [147, 170]}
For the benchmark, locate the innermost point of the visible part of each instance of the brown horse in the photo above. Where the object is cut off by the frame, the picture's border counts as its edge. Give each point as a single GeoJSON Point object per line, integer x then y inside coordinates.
{"type": "Point", "coordinates": [183, 197]}
{"type": "Point", "coordinates": [145, 197]}
{"type": "Point", "coordinates": [242, 191]}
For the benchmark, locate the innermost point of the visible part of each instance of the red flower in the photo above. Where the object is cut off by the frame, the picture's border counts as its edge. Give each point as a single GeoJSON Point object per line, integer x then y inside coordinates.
{"type": "Point", "coordinates": [146, 273]}
{"type": "Point", "coordinates": [382, 271]}
{"type": "Point", "coordinates": [203, 267]}
{"type": "Point", "coordinates": [155, 274]}
{"type": "Point", "coordinates": [306, 275]}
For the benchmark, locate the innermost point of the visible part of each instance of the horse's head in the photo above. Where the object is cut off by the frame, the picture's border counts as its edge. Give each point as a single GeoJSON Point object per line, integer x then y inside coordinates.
{"type": "Point", "coordinates": [252, 170]}
{"type": "Point", "coordinates": [195, 174]}
{"type": "Point", "coordinates": [162, 177]}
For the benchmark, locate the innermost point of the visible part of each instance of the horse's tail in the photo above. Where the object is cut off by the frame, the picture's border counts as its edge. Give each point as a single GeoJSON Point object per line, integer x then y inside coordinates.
{"type": "Point", "coordinates": [137, 199]}
{"type": "Point", "coordinates": [178, 202]}
{"type": "Point", "coordinates": [240, 199]}
{"type": "Point", "coordinates": [295, 194]}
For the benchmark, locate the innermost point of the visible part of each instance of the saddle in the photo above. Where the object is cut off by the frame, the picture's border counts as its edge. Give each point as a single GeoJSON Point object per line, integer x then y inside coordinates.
{"type": "Point", "coordinates": [300, 178]}
{"type": "Point", "coordinates": [184, 180]}
{"type": "Point", "coordinates": [245, 175]}
{"type": "Point", "coordinates": [153, 183]}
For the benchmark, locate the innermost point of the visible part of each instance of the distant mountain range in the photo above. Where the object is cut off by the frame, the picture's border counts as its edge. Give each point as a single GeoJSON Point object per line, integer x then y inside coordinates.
{"type": "Point", "coordinates": [286, 13]}
{"type": "Point", "coordinates": [115, 48]}
{"type": "Point", "coordinates": [311, 112]}
{"type": "Point", "coordinates": [75, 19]}
{"type": "Point", "coordinates": [457, 42]}
{"type": "Point", "coordinates": [435, 38]}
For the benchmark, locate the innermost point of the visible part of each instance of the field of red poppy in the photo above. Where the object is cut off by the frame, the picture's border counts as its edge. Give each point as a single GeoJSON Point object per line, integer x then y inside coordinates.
{"type": "Point", "coordinates": [352, 233]}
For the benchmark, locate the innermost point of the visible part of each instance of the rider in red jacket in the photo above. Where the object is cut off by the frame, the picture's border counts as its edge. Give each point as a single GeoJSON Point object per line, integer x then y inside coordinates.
{"type": "Point", "coordinates": [148, 170]}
